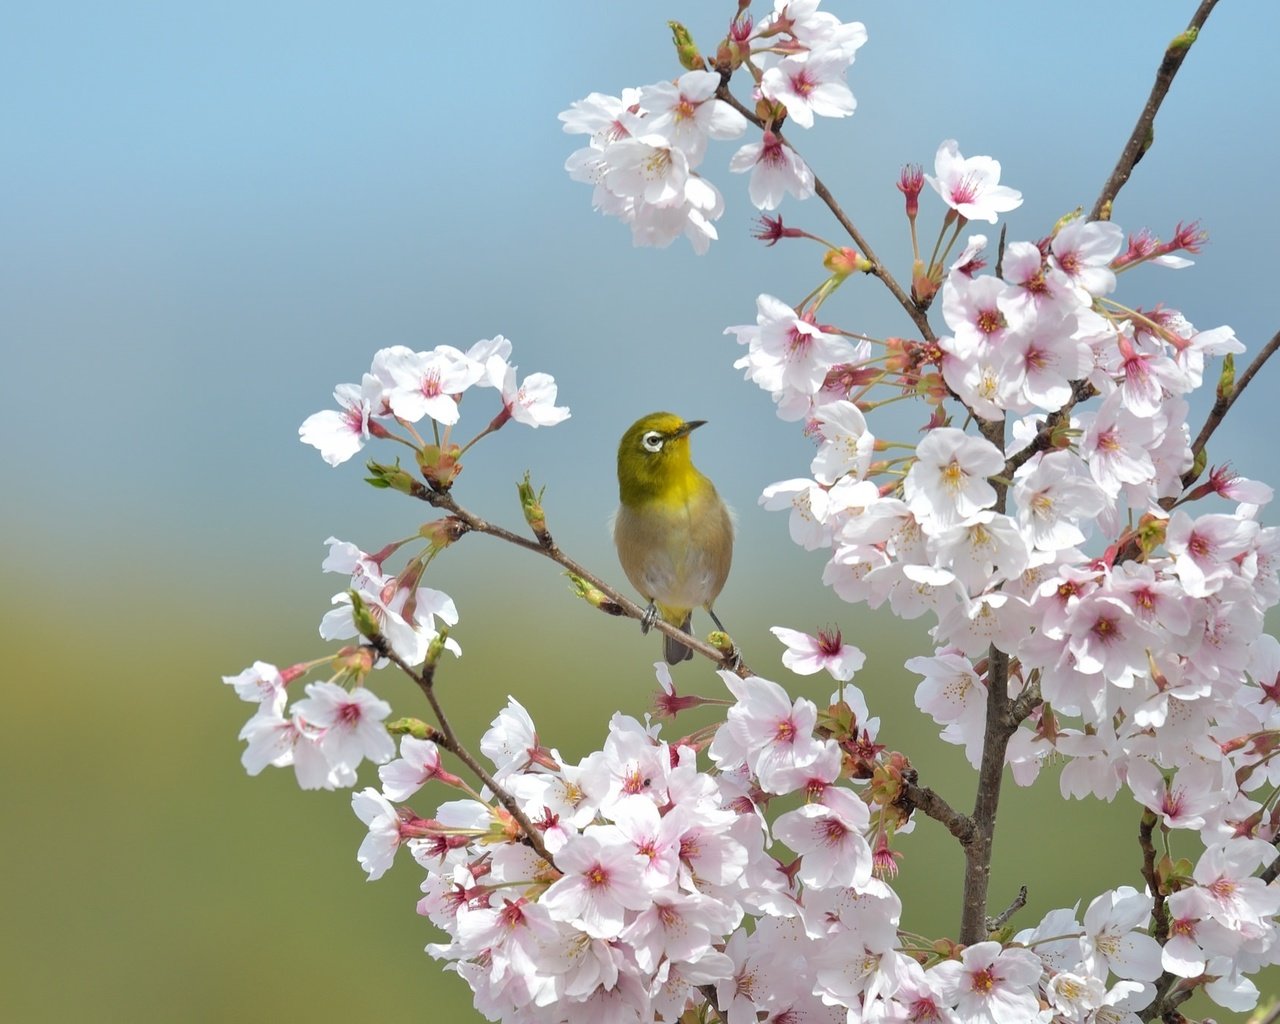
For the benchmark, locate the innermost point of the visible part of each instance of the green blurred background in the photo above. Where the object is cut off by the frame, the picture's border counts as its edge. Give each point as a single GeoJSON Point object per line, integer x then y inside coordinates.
{"type": "Point", "coordinates": [214, 213]}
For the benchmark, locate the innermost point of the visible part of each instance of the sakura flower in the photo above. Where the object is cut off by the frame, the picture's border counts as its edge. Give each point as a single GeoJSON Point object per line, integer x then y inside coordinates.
{"type": "Point", "coordinates": [809, 506]}
{"type": "Point", "coordinates": [847, 444]}
{"type": "Point", "coordinates": [786, 351]}
{"type": "Point", "coordinates": [605, 118]}
{"type": "Point", "coordinates": [1115, 939]}
{"type": "Point", "coordinates": [688, 114]}
{"type": "Point", "coordinates": [261, 683]}
{"type": "Point", "coordinates": [972, 309]}
{"type": "Point", "coordinates": [276, 740]}
{"type": "Point", "coordinates": [339, 434]}
{"type": "Point", "coordinates": [1203, 549]}
{"type": "Point", "coordinates": [776, 169]}
{"type": "Point", "coordinates": [428, 383]}
{"type": "Point", "coordinates": [678, 926]}
{"type": "Point", "coordinates": [511, 741]}
{"type": "Point", "coordinates": [806, 655]}
{"type": "Point", "coordinates": [1181, 801]}
{"type": "Point", "coordinates": [600, 882]}
{"type": "Point", "coordinates": [829, 838]}
{"type": "Point", "coordinates": [405, 616]}
{"type": "Point", "coordinates": [1083, 251]}
{"type": "Point", "coordinates": [971, 186]}
{"type": "Point", "coordinates": [809, 84]}
{"type": "Point", "coordinates": [379, 847]}
{"type": "Point", "coordinates": [991, 985]}
{"type": "Point", "coordinates": [533, 402]}
{"type": "Point", "coordinates": [418, 763]}
{"type": "Point", "coordinates": [765, 729]}
{"type": "Point", "coordinates": [948, 480]}
{"type": "Point", "coordinates": [1054, 496]}
{"type": "Point", "coordinates": [349, 723]}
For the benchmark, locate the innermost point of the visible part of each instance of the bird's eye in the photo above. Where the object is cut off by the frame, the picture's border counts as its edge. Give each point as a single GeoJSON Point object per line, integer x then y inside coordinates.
{"type": "Point", "coordinates": [652, 441]}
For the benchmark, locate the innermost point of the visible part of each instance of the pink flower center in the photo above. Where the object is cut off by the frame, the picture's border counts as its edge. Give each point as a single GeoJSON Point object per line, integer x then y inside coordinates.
{"type": "Point", "coordinates": [989, 321]}
{"type": "Point", "coordinates": [349, 714]}
{"type": "Point", "coordinates": [965, 190]}
{"type": "Point", "coordinates": [597, 877]}
{"type": "Point", "coordinates": [802, 84]}
{"type": "Point", "coordinates": [430, 386]}
{"type": "Point", "coordinates": [830, 644]}
{"type": "Point", "coordinates": [983, 981]}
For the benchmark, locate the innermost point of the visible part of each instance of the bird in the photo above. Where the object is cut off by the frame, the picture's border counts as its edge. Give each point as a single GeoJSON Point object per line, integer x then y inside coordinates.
{"type": "Point", "coordinates": [673, 532]}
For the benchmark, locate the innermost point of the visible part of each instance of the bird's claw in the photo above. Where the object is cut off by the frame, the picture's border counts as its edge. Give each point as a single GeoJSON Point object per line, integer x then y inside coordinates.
{"type": "Point", "coordinates": [649, 618]}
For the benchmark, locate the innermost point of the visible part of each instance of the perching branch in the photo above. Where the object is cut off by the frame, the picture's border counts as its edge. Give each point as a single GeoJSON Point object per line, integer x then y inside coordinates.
{"type": "Point", "coordinates": [1141, 138]}
{"type": "Point", "coordinates": [448, 739]}
{"type": "Point", "coordinates": [729, 659]}
{"type": "Point", "coordinates": [918, 316]}
{"type": "Point", "coordinates": [1226, 401]}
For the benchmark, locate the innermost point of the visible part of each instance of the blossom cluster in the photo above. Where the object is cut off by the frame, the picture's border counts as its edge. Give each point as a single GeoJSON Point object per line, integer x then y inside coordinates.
{"type": "Point", "coordinates": [404, 386]}
{"type": "Point", "coordinates": [658, 865]}
{"type": "Point", "coordinates": [646, 145]}
{"type": "Point", "coordinates": [1135, 615]}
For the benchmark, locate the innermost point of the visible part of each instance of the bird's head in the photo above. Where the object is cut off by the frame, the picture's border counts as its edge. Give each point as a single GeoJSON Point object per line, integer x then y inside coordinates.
{"type": "Point", "coordinates": [654, 455]}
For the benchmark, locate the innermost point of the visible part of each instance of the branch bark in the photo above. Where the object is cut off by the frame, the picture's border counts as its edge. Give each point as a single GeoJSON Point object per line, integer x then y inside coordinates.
{"type": "Point", "coordinates": [1224, 402]}
{"type": "Point", "coordinates": [449, 740]}
{"type": "Point", "coordinates": [1141, 137]}
{"type": "Point", "coordinates": [547, 547]}
{"type": "Point", "coordinates": [918, 316]}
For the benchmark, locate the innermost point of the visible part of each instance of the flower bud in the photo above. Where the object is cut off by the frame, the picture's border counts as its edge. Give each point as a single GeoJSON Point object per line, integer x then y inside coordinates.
{"type": "Point", "coordinates": [439, 465]}
{"type": "Point", "coordinates": [390, 477]}
{"type": "Point", "coordinates": [1227, 380]}
{"type": "Point", "coordinates": [366, 625]}
{"type": "Point", "coordinates": [531, 506]}
{"type": "Point", "coordinates": [843, 262]}
{"type": "Point", "coordinates": [593, 595]}
{"type": "Point", "coordinates": [686, 48]}
{"type": "Point", "coordinates": [414, 727]}
{"type": "Point", "coordinates": [440, 533]}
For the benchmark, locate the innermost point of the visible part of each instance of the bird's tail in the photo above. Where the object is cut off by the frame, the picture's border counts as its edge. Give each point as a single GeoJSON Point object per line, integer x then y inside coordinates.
{"type": "Point", "coordinates": [674, 650]}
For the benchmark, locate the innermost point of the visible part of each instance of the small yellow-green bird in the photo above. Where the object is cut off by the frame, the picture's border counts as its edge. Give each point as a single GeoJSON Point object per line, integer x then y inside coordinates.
{"type": "Point", "coordinates": [674, 534]}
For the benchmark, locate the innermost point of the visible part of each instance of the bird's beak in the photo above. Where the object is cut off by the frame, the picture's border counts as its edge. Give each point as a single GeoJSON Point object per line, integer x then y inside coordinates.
{"type": "Point", "coordinates": [689, 427]}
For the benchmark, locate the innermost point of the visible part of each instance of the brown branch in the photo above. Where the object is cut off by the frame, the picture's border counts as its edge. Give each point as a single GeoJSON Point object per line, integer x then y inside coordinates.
{"type": "Point", "coordinates": [924, 799]}
{"type": "Point", "coordinates": [546, 546]}
{"type": "Point", "coordinates": [1159, 913]}
{"type": "Point", "coordinates": [448, 739]}
{"type": "Point", "coordinates": [916, 313]}
{"type": "Point", "coordinates": [994, 924]}
{"type": "Point", "coordinates": [1226, 401]}
{"type": "Point", "coordinates": [1141, 137]}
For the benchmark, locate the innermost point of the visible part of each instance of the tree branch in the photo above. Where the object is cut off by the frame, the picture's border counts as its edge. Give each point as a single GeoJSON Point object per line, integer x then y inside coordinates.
{"type": "Point", "coordinates": [1140, 139]}
{"type": "Point", "coordinates": [546, 546]}
{"type": "Point", "coordinates": [924, 799]}
{"type": "Point", "coordinates": [918, 316]}
{"type": "Point", "coordinates": [448, 739]}
{"type": "Point", "coordinates": [1225, 402]}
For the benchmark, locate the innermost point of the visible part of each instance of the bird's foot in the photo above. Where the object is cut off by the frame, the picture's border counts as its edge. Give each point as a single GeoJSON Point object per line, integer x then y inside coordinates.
{"type": "Point", "coordinates": [649, 618]}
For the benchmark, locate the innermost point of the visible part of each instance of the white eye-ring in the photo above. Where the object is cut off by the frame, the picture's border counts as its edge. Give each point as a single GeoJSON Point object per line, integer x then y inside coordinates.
{"type": "Point", "coordinates": [652, 441]}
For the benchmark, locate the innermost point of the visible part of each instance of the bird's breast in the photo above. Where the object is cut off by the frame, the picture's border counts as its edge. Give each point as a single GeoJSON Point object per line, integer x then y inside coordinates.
{"type": "Point", "coordinates": [676, 548]}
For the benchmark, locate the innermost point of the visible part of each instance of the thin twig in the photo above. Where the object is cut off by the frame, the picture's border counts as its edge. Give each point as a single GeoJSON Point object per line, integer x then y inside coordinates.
{"type": "Point", "coordinates": [546, 546]}
{"type": "Point", "coordinates": [1225, 402]}
{"type": "Point", "coordinates": [918, 316]}
{"type": "Point", "coordinates": [1141, 137]}
{"type": "Point", "coordinates": [448, 739]}
{"type": "Point", "coordinates": [994, 924]}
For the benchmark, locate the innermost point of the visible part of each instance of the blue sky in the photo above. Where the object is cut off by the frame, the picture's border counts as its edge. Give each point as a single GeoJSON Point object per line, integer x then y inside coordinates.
{"type": "Point", "coordinates": [216, 212]}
